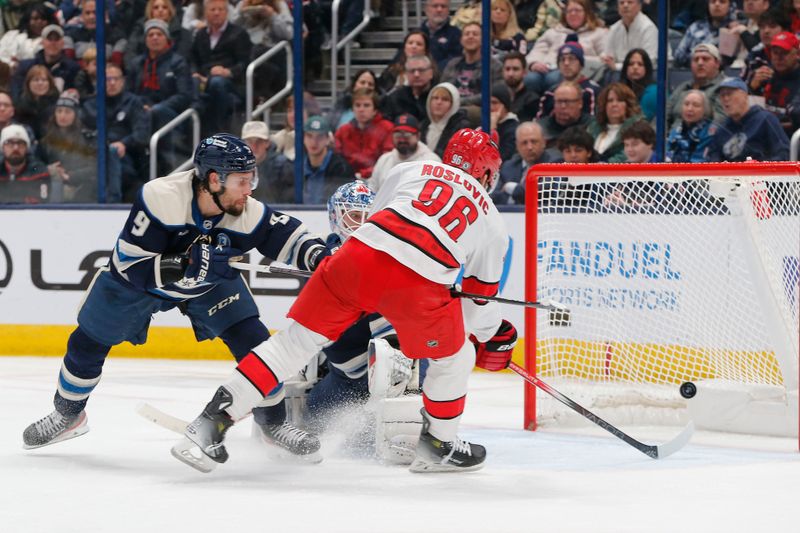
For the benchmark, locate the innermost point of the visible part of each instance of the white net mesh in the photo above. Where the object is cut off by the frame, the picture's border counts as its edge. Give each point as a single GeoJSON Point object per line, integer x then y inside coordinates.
{"type": "Point", "coordinates": [667, 280]}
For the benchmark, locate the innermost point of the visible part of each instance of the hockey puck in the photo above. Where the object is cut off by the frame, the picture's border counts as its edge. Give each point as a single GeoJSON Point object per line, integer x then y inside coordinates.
{"type": "Point", "coordinates": [688, 390]}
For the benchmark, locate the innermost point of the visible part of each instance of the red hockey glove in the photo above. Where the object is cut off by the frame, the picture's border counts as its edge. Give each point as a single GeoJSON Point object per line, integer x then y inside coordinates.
{"type": "Point", "coordinates": [495, 354]}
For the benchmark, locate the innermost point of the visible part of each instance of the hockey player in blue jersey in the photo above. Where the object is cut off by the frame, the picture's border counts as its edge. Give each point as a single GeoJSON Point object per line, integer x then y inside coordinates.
{"type": "Point", "coordinates": [173, 251]}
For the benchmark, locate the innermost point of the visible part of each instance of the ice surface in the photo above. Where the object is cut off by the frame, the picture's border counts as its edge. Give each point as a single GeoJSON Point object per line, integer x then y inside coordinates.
{"type": "Point", "coordinates": [121, 478]}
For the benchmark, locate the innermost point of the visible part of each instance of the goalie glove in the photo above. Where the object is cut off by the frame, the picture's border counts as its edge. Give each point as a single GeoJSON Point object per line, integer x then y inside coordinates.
{"type": "Point", "coordinates": [495, 354]}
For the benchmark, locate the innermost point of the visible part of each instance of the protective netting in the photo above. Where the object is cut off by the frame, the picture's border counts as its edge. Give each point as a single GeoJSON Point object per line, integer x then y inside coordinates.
{"type": "Point", "coordinates": [667, 280]}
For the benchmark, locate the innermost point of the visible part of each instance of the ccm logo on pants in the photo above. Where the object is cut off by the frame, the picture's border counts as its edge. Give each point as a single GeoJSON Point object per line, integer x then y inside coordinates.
{"type": "Point", "coordinates": [224, 303]}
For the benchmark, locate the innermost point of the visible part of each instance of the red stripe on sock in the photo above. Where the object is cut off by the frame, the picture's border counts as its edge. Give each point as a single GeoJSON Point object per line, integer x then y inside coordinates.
{"type": "Point", "coordinates": [444, 410]}
{"type": "Point", "coordinates": [258, 373]}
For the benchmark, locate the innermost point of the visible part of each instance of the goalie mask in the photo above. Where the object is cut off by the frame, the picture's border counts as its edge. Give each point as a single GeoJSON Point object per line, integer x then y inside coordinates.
{"type": "Point", "coordinates": [476, 153]}
{"type": "Point", "coordinates": [348, 208]}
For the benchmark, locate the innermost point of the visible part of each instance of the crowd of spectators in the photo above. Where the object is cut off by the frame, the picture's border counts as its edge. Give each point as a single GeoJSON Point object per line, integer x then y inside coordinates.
{"type": "Point", "coordinates": [572, 80]}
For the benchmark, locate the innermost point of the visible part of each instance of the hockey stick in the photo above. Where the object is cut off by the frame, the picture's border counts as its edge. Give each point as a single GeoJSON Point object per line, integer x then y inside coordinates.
{"type": "Point", "coordinates": [270, 269]}
{"type": "Point", "coordinates": [659, 451]}
{"type": "Point", "coordinates": [160, 418]}
{"type": "Point", "coordinates": [550, 305]}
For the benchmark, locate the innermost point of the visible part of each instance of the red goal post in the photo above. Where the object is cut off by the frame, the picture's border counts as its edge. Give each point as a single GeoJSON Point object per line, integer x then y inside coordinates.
{"type": "Point", "coordinates": [611, 238]}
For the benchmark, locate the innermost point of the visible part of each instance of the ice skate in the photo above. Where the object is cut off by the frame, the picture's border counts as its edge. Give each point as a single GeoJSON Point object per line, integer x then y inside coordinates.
{"type": "Point", "coordinates": [299, 443]}
{"type": "Point", "coordinates": [202, 446]}
{"type": "Point", "coordinates": [53, 428]}
{"type": "Point", "coordinates": [434, 455]}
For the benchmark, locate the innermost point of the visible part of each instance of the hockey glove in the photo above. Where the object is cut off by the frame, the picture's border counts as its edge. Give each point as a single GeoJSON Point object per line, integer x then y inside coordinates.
{"type": "Point", "coordinates": [316, 255]}
{"type": "Point", "coordinates": [209, 263]}
{"type": "Point", "coordinates": [495, 354]}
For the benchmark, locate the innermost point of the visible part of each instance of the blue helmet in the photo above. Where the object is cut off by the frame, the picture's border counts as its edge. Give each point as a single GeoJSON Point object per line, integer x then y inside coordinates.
{"type": "Point", "coordinates": [224, 153]}
{"type": "Point", "coordinates": [348, 207]}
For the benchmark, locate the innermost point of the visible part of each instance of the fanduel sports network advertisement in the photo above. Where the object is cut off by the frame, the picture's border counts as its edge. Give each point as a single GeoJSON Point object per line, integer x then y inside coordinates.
{"type": "Point", "coordinates": [49, 257]}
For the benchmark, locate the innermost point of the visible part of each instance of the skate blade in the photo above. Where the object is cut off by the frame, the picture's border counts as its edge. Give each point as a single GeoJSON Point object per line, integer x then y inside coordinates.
{"type": "Point", "coordinates": [279, 452]}
{"type": "Point", "coordinates": [190, 453]}
{"type": "Point", "coordinates": [421, 466]}
{"type": "Point", "coordinates": [81, 427]}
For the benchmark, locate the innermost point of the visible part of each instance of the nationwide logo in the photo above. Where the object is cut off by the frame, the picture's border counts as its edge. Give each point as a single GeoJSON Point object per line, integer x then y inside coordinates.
{"type": "Point", "coordinates": [6, 267]}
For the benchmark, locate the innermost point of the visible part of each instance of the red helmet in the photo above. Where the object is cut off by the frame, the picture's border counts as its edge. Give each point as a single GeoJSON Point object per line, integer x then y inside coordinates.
{"type": "Point", "coordinates": [474, 152]}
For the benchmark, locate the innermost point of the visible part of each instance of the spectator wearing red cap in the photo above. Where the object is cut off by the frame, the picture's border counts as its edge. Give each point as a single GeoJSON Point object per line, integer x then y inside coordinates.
{"type": "Point", "coordinates": [782, 92]}
{"type": "Point", "coordinates": [362, 140]}
{"type": "Point", "coordinates": [407, 147]}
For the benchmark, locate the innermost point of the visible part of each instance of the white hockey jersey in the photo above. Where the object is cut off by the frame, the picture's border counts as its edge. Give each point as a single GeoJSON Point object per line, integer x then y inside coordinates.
{"type": "Point", "coordinates": [436, 220]}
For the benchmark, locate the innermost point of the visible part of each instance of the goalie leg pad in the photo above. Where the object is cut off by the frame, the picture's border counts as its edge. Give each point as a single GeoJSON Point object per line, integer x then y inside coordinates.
{"type": "Point", "coordinates": [398, 423]}
{"type": "Point", "coordinates": [389, 371]}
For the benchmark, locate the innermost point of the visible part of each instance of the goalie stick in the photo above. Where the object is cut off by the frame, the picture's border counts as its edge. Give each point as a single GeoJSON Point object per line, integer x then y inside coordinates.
{"type": "Point", "coordinates": [659, 451]}
{"type": "Point", "coordinates": [551, 305]}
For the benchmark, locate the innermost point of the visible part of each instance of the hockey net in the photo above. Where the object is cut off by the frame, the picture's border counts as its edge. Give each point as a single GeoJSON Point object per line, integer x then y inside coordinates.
{"type": "Point", "coordinates": [672, 273]}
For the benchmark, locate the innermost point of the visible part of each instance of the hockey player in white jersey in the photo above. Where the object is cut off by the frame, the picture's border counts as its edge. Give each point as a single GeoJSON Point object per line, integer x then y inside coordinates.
{"type": "Point", "coordinates": [428, 222]}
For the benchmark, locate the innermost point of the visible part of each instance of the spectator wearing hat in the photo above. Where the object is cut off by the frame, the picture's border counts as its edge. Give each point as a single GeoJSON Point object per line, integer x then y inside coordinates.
{"type": "Point", "coordinates": [758, 63]}
{"type": "Point", "coordinates": [128, 132]}
{"type": "Point", "coordinates": [407, 147]}
{"type": "Point", "coordinates": [367, 136]}
{"type": "Point", "coordinates": [524, 101]}
{"type": "Point", "coordinates": [782, 91]}
{"type": "Point", "coordinates": [323, 169]}
{"type": "Point", "coordinates": [503, 120]}
{"type": "Point", "coordinates": [444, 117]}
{"type": "Point", "coordinates": [7, 116]}
{"type": "Point", "coordinates": [706, 77]}
{"type": "Point", "coordinates": [53, 56]}
{"type": "Point", "coordinates": [220, 54]}
{"type": "Point", "coordinates": [24, 179]}
{"type": "Point", "coordinates": [747, 131]}
{"type": "Point", "coordinates": [160, 77]}
{"type": "Point", "coordinates": [578, 23]}
{"type": "Point", "coordinates": [530, 150]}
{"type": "Point", "coordinates": [82, 34]}
{"type": "Point", "coordinates": [570, 68]}
{"type": "Point", "coordinates": [180, 38]}
{"type": "Point", "coordinates": [275, 172]}
{"type": "Point", "coordinates": [69, 152]}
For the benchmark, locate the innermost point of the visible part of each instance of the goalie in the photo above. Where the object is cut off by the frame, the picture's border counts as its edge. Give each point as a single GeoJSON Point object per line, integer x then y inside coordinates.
{"type": "Point", "coordinates": [365, 362]}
